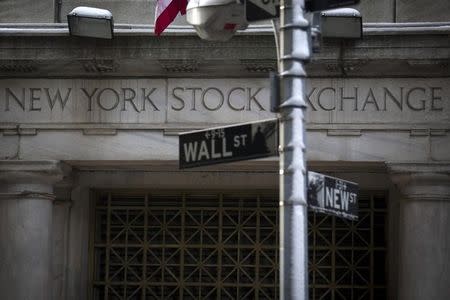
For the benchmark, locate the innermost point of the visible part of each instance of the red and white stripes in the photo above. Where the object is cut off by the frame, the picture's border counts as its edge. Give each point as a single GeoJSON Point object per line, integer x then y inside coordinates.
{"type": "Point", "coordinates": [166, 11]}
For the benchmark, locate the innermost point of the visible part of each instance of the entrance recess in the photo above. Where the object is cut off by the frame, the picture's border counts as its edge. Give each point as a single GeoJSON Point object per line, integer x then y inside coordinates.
{"type": "Point", "coordinates": [221, 245]}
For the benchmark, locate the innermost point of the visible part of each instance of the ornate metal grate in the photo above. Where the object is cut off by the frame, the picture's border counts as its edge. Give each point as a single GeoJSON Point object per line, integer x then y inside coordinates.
{"type": "Point", "coordinates": [347, 260]}
{"type": "Point", "coordinates": [223, 246]}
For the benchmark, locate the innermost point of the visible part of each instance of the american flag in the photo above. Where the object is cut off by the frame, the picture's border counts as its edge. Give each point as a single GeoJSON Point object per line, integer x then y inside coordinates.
{"type": "Point", "coordinates": [166, 11]}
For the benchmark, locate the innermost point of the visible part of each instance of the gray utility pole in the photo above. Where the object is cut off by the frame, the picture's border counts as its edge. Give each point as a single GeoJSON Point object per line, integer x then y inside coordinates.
{"type": "Point", "coordinates": [294, 53]}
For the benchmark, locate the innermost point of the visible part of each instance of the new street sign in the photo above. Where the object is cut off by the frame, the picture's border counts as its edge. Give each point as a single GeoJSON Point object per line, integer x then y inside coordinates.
{"type": "Point", "coordinates": [230, 143]}
{"type": "Point", "coordinates": [332, 195]}
{"type": "Point", "coordinates": [258, 10]}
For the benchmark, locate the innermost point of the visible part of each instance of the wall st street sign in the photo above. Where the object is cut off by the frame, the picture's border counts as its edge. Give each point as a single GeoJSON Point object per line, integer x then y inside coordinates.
{"type": "Point", "coordinates": [332, 195]}
{"type": "Point", "coordinates": [227, 144]}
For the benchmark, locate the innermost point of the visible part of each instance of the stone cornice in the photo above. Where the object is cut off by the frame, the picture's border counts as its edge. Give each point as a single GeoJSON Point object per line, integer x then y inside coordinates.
{"type": "Point", "coordinates": [27, 195]}
{"type": "Point", "coordinates": [61, 29]}
{"type": "Point", "coordinates": [413, 167]}
{"type": "Point", "coordinates": [412, 28]}
{"type": "Point", "coordinates": [422, 181]}
{"type": "Point", "coordinates": [32, 172]}
{"type": "Point", "coordinates": [387, 49]}
{"type": "Point", "coordinates": [380, 53]}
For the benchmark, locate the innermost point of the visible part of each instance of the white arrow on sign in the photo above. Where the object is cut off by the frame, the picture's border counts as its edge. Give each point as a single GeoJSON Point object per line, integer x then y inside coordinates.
{"type": "Point", "coordinates": [267, 5]}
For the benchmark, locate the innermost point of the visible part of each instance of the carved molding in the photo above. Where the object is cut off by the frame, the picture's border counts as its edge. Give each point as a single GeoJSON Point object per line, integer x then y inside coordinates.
{"type": "Point", "coordinates": [27, 195]}
{"type": "Point", "coordinates": [428, 132]}
{"type": "Point", "coordinates": [100, 131]}
{"type": "Point", "coordinates": [259, 65]}
{"type": "Point", "coordinates": [100, 66]}
{"type": "Point", "coordinates": [347, 66]}
{"type": "Point", "coordinates": [30, 174]}
{"type": "Point", "coordinates": [402, 55]}
{"type": "Point", "coordinates": [179, 65]}
{"type": "Point", "coordinates": [20, 131]}
{"type": "Point", "coordinates": [17, 66]}
{"type": "Point", "coordinates": [426, 63]}
{"type": "Point", "coordinates": [422, 181]}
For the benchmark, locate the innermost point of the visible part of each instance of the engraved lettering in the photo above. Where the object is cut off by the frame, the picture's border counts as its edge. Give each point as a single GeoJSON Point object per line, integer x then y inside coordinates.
{"type": "Point", "coordinates": [319, 102]}
{"type": "Point", "coordinates": [114, 104]}
{"type": "Point", "coordinates": [398, 101]}
{"type": "Point", "coordinates": [21, 102]}
{"type": "Point", "coordinates": [194, 89]}
{"type": "Point", "coordinates": [253, 97]}
{"type": "Point", "coordinates": [219, 105]}
{"type": "Point", "coordinates": [354, 98]}
{"type": "Point", "coordinates": [374, 100]}
{"type": "Point", "coordinates": [89, 96]}
{"type": "Point", "coordinates": [35, 95]}
{"type": "Point", "coordinates": [147, 98]}
{"type": "Point", "coordinates": [422, 101]}
{"type": "Point", "coordinates": [130, 98]}
{"type": "Point", "coordinates": [370, 99]}
{"type": "Point", "coordinates": [52, 100]}
{"type": "Point", "coordinates": [178, 98]}
{"type": "Point", "coordinates": [308, 99]}
{"type": "Point", "coordinates": [229, 100]}
{"type": "Point", "coordinates": [435, 97]}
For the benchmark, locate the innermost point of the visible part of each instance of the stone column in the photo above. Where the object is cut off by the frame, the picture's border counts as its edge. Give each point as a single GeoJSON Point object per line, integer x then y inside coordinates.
{"type": "Point", "coordinates": [26, 196]}
{"type": "Point", "coordinates": [424, 230]}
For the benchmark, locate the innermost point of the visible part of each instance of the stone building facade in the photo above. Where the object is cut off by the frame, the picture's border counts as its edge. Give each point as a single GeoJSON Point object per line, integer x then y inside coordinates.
{"type": "Point", "coordinates": [93, 205]}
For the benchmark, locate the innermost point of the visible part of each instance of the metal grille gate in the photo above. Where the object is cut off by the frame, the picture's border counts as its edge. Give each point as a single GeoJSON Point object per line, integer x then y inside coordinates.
{"type": "Point", "coordinates": [225, 246]}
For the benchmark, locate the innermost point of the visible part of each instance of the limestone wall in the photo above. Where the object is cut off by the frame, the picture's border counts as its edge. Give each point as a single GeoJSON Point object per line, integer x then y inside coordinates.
{"type": "Point", "coordinates": [142, 11]}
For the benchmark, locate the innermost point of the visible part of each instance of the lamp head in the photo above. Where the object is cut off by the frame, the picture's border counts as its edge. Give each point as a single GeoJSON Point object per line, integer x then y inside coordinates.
{"type": "Point", "coordinates": [341, 23]}
{"type": "Point", "coordinates": [91, 22]}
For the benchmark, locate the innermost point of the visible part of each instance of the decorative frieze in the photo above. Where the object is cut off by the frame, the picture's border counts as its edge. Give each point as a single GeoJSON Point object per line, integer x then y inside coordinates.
{"type": "Point", "coordinates": [421, 104]}
{"type": "Point", "coordinates": [100, 66]}
{"type": "Point", "coordinates": [179, 65]}
{"type": "Point", "coordinates": [259, 65]}
{"type": "Point", "coordinates": [17, 66]}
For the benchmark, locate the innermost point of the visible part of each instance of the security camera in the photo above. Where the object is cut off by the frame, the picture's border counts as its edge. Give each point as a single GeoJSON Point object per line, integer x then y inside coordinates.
{"type": "Point", "coordinates": [216, 20]}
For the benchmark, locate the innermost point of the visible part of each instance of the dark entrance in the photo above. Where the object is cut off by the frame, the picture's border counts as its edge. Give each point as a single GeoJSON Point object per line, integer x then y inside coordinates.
{"type": "Point", "coordinates": [204, 245]}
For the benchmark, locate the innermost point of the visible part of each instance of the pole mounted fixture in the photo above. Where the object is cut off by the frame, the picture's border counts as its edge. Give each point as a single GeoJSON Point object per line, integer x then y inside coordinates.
{"type": "Point", "coordinates": [288, 98]}
{"type": "Point", "coordinates": [342, 23]}
{"type": "Point", "coordinates": [295, 52]}
{"type": "Point", "coordinates": [91, 22]}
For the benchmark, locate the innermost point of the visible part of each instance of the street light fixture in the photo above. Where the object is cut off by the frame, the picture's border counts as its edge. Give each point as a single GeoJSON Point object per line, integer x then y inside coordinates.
{"type": "Point", "coordinates": [294, 52]}
{"type": "Point", "coordinates": [91, 22]}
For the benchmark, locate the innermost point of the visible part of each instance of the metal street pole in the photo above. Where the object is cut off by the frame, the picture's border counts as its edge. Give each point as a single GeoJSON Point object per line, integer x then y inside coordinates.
{"type": "Point", "coordinates": [294, 53]}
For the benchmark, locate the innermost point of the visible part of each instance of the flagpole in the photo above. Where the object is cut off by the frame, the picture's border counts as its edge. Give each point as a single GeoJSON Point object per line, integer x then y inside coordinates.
{"type": "Point", "coordinates": [293, 228]}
